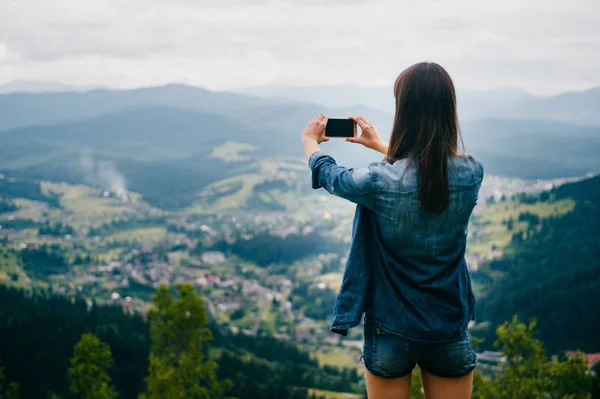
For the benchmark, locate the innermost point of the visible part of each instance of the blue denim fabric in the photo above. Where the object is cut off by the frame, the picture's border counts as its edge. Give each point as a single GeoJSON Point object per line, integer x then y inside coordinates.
{"type": "Point", "coordinates": [406, 267]}
{"type": "Point", "coordinates": [390, 356]}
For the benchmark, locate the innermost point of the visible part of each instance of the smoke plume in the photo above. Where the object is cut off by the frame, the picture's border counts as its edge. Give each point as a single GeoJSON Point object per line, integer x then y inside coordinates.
{"type": "Point", "coordinates": [103, 174]}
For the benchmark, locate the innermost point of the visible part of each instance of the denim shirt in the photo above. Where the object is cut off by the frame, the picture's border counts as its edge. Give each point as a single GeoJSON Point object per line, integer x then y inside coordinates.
{"type": "Point", "coordinates": [406, 268]}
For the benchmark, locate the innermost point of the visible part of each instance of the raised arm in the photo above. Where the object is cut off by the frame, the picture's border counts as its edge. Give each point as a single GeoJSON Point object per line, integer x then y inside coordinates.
{"type": "Point", "coordinates": [356, 185]}
{"type": "Point", "coordinates": [314, 134]}
{"type": "Point", "coordinates": [368, 136]}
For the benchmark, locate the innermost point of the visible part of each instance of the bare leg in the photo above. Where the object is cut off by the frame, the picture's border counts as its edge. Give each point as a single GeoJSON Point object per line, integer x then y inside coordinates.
{"type": "Point", "coordinates": [447, 388]}
{"type": "Point", "coordinates": [387, 388]}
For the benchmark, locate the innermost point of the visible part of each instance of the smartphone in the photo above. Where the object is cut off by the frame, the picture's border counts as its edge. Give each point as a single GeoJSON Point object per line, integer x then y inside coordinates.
{"type": "Point", "coordinates": [340, 128]}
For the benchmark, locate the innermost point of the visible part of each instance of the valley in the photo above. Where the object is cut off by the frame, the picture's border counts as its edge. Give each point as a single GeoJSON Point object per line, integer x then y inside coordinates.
{"type": "Point", "coordinates": [107, 195]}
{"type": "Point", "coordinates": [267, 253]}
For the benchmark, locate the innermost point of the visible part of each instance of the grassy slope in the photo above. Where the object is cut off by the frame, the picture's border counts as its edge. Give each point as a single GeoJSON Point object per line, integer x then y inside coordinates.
{"type": "Point", "coordinates": [238, 191]}
{"type": "Point", "coordinates": [551, 273]}
{"type": "Point", "coordinates": [145, 235]}
{"type": "Point", "coordinates": [488, 229]}
{"type": "Point", "coordinates": [334, 395]}
{"type": "Point", "coordinates": [231, 151]}
{"type": "Point", "coordinates": [338, 357]}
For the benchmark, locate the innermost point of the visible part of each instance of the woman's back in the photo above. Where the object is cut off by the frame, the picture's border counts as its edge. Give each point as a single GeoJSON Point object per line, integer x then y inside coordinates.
{"type": "Point", "coordinates": [418, 236]}
{"type": "Point", "coordinates": [423, 252]}
{"type": "Point", "coordinates": [406, 268]}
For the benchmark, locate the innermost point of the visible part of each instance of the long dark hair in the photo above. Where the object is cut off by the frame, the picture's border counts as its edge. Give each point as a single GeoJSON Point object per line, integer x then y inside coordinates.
{"type": "Point", "coordinates": [426, 130]}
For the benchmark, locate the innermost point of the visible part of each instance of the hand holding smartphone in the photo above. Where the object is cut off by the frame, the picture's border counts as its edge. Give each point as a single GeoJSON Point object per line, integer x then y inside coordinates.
{"type": "Point", "coordinates": [340, 128]}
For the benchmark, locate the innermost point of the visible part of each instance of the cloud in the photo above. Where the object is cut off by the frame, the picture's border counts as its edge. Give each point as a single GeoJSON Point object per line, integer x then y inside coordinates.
{"type": "Point", "coordinates": [4, 54]}
{"type": "Point", "coordinates": [485, 37]}
{"type": "Point", "coordinates": [236, 43]}
{"type": "Point", "coordinates": [453, 23]}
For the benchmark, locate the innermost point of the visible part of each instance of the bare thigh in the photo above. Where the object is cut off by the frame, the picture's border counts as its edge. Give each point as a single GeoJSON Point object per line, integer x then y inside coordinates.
{"type": "Point", "coordinates": [387, 388]}
{"type": "Point", "coordinates": [447, 388]}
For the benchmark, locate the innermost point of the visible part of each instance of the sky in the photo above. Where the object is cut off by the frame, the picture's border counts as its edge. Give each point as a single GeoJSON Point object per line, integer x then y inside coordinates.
{"type": "Point", "coordinates": [542, 46]}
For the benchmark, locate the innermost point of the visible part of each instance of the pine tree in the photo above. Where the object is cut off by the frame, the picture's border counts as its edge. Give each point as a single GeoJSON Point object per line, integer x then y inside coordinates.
{"type": "Point", "coordinates": [527, 373]}
{"type": "Point", "coordinates": [569, 378]}
{"type": "Point", "coordinates": [179, 333]}
{"type": "Point", "coordinates": [89, 369]}
{"type": "Point", "coordinates": [416, 385]}
{"type": "Point", "coordinates": [9, 392]}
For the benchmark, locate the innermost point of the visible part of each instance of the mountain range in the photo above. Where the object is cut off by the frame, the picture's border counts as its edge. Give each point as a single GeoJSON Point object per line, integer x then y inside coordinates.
{"type": "Point", "coordinates": [38, 86]}
{"type": "Point", "coordinates": [574, 107]}
{"type": "Point", "coordinates": [162, 139]}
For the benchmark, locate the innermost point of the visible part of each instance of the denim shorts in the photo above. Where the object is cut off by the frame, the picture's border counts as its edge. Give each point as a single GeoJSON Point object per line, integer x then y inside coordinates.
{"type": "Point", "coordinates": [391, 356]}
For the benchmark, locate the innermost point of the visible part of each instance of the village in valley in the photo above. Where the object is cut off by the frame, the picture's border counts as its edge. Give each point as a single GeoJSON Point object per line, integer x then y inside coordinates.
{"type": "Point", "coordinates": [261, 270]}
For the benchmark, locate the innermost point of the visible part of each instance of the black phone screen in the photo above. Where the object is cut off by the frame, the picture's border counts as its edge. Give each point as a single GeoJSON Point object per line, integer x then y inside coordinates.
{"type": "Point", "coordinates": [340, 128]}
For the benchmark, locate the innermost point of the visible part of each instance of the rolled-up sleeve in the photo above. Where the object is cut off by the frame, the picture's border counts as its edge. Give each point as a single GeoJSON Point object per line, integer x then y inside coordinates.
{"type": "Point", "coordinates": [355, 185]}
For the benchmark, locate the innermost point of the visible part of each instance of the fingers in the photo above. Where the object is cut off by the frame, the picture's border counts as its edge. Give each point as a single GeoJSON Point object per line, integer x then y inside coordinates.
{"type": "Point", "coordinates": [357, 118]}
{"type": "Point", "coordinates": [362, 122]}
{"type": "Point", "coordinates": [353, 140]}
{"type": "Point", "coordinates": [320, 126]}
{"type": "Point", "coordinates": [321, 118]}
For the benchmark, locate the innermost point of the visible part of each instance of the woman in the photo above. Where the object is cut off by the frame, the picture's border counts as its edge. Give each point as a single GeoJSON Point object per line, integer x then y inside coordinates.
{"type": "Point", "coordinates": [406, 269]}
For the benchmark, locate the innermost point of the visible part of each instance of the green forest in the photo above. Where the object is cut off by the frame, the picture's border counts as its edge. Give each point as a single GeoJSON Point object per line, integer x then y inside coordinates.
{"type": "Point", "coordinates": [551, 272]}
{"type": "Point", "coordinates": [39, 331]}
{"type": "Point", "coordinates": [547, 276]}
{"type": "Point", "coordinates": [53, 347]}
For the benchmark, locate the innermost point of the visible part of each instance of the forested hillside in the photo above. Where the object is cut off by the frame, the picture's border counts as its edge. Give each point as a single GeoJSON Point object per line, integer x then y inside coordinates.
{"type": "Point", "coordinates": [552, 272]}
{"type": "Point", "coordinates": [38, 332]}
{"type": "Point", "coordinates": [168, 143]}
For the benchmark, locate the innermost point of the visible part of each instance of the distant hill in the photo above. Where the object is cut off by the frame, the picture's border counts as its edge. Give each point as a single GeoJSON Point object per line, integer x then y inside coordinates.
{"type": "Point", "coordinates": [574, 107]}
{"type": "Point", "coordinates": [145, 133]}
{"type": "Point", "coordinates": [553, 273]}
{"type": "Point", "coordinates": [33, 109]}
{"type": "Point", "coordinates": [37, 86]}
{"type": "Point", "coordinates": [533, 149]}
{"type": "Point", "coordinates": [284, 117]}
{"type": "Point", "coordinates": [163, 153]}
{"type": "Point", "coordinates": [160, 150]}
{"type": "Point", "coordinates": [160, 140]}
{"type": "Point", "coordinates": [579, 108]}
{"type": "Point", "coordinates": [287, 121]}
{"type": "Point", "coordinates": [377, 97]}
{"type": "Point", "coordinates": [530, 149]}
{"type": "Point", "coordinates": [38, 103]}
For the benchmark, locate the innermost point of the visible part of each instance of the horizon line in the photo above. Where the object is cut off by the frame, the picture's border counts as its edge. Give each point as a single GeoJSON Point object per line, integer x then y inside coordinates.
{"type": "Point", "coordinates": [77, 88]}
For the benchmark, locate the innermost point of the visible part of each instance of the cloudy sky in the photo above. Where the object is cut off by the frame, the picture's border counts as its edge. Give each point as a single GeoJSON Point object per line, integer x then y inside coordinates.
{"type": "Point", "coordinates": [543, 46]}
